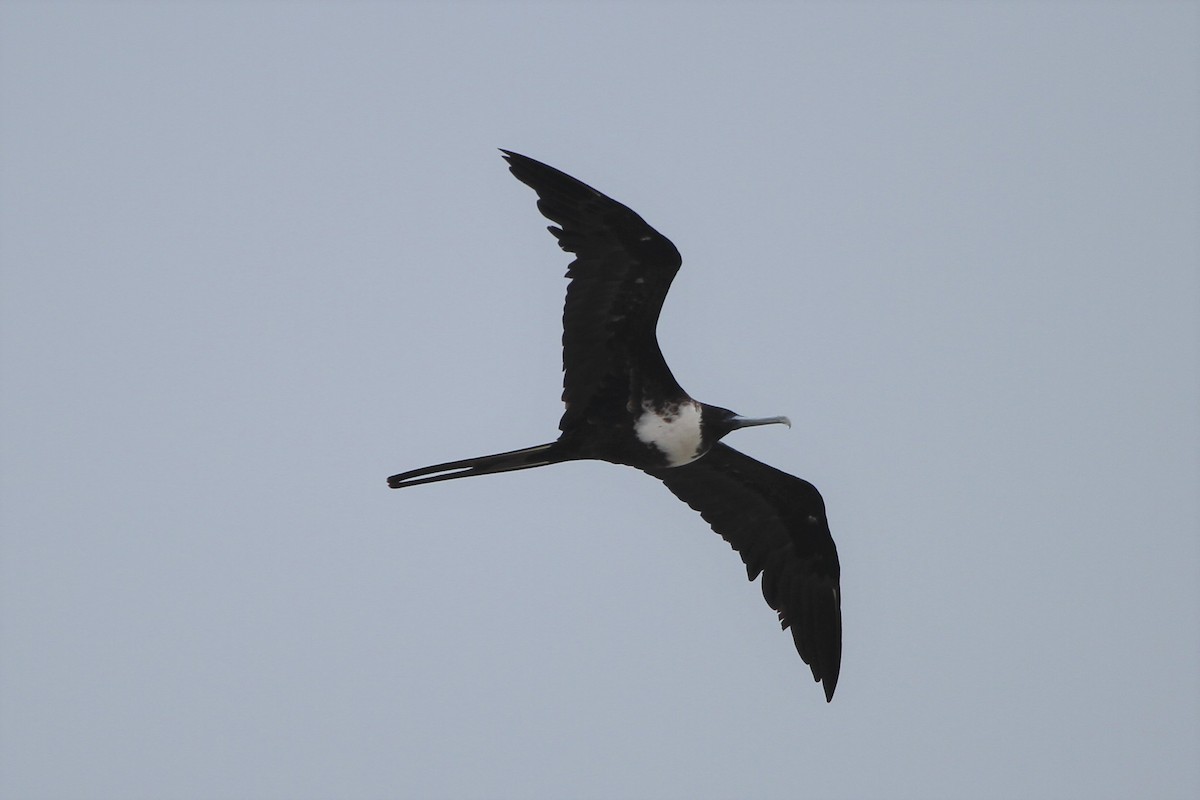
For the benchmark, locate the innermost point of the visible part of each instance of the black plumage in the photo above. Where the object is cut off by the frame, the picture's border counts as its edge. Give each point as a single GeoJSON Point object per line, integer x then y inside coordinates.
{"type": "Point", "coordinates": [623, 405]}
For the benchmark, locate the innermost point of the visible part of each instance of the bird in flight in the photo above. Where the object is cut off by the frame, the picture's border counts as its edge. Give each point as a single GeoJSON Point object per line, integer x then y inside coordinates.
{"type": "Point", "coordinates": [624, 406]}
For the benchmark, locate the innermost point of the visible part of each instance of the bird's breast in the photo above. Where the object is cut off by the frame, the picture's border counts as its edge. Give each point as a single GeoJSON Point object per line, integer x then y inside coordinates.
{"type": "Point", "coordinates": [673, 430]}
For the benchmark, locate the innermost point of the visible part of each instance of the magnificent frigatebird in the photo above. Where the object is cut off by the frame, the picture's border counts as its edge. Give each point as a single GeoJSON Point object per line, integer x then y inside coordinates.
{"type": "Point", "coordinates": [623, 405]}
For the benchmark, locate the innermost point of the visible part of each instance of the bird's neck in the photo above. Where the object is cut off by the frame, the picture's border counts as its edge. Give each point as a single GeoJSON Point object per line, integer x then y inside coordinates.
{"type": "Point", "coordinates": [674, 429]}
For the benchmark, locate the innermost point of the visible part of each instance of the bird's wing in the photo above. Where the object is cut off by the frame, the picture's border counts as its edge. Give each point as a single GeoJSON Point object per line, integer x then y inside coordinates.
{"type": "Point", "coordinates": [619, 278]}
{"type": "Point", "coordinates": [777, 523]}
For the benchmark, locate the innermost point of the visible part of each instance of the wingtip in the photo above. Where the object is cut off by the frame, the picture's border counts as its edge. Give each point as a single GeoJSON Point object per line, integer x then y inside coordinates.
{"type": "Point", "coordinates": [829, 672]}
{"type": "Point", "coordinates": [515, 161]}
{"type": "Point", "coordinates": [829, 677]}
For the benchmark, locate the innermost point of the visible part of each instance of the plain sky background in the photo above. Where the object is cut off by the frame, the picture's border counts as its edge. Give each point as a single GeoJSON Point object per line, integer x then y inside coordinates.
{"type": "Point", "coordinates": [256, 257]}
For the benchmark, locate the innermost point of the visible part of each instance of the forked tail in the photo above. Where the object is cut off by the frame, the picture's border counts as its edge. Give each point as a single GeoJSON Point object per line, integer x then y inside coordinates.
{"type": "Point", "coordinates": [538, 456]}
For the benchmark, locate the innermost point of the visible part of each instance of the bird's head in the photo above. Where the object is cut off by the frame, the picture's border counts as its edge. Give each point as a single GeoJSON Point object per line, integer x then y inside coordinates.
{"type": "Point", "coordinates": [717, 422]}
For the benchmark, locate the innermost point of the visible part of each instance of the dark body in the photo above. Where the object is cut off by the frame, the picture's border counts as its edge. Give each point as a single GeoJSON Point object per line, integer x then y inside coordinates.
{"type": "Point", "coordinates": [624, 406]}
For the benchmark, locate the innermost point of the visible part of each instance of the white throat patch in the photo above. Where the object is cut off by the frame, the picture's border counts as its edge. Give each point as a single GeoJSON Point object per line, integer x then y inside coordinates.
{"type": "Point", "coordinates": [674, 431]}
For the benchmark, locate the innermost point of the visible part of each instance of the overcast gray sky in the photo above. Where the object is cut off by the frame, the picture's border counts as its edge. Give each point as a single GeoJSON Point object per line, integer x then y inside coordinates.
{"type": "Point", "coordinates": [258, 256]}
